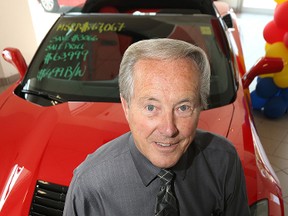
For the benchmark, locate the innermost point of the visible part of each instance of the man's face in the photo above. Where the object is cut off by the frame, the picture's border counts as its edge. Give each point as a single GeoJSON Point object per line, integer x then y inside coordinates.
{"type": "Point", "coordinates": [164, 109]}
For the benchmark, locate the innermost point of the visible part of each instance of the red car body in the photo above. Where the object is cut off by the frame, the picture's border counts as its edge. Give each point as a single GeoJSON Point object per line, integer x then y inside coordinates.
{"type": "Point", "coordinates": [41, 144]}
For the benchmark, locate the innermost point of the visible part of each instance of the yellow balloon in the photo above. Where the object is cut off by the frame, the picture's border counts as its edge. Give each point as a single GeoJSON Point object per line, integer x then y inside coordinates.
{"type": "Point", "coordinates": [267, 46]}
{"type": "Point", "coordinates": [266, 75]}
{"type": "Point", "coordinates": [281, 78]}
{"type": "Point", "coordinates": [278, 50]}
{"type": "Point", "coordinates": [279, 1]}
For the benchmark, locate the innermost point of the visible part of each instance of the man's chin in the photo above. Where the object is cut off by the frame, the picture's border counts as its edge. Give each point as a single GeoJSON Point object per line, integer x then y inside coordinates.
{"type": "Point", "coordinates": [164, 163]}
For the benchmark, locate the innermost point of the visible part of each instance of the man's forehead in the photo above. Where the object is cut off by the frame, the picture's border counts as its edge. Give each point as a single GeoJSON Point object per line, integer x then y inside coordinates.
{"type": "Point", "coordinates": [146, 65]}
{"type": "Point", "coordinates": [175, 100]}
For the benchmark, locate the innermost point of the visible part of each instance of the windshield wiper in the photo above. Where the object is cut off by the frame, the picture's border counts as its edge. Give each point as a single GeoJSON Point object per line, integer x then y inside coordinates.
{"type": "Point", "coordinates": [55, 99]}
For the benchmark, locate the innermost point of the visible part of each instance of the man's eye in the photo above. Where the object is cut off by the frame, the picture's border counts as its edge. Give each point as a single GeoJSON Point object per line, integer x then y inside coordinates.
{"type": "Point", "coordinates": [184, 108]}
{"type": "Point", "coordinates": [150, 108]}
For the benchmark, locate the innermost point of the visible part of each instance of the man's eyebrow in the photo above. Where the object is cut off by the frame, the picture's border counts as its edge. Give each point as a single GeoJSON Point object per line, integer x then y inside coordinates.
{"type": "Point", "coordinates": [184, 100]}
{"type": "Point", "coordinates": [189, 100]}
{"type": "Point", "coordinates": [149, 99]}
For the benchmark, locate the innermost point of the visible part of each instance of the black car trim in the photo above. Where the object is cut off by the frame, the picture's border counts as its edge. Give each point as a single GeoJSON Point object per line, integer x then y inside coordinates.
{"type": "Point", "coordinates": [48, 199]}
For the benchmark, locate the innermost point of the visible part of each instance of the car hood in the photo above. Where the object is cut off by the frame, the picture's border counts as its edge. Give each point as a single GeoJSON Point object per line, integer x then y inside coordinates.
{"type": "Point", "coordinates": [35, 134]}
{"type": "Point", "coordinates": [47, 143]}
{"type": "Point", "coordinates": [67, 133]}
{"type": "Point", "coordinates": [40, 140]}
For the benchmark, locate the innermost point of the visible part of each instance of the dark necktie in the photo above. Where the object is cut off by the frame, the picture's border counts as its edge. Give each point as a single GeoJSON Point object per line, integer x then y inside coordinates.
{"type": "Point", "coordinates": [166, 204]}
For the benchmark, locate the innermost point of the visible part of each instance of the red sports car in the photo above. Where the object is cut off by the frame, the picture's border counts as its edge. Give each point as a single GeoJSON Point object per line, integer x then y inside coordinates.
{"type": "Point", "coordinates": [66, 103]}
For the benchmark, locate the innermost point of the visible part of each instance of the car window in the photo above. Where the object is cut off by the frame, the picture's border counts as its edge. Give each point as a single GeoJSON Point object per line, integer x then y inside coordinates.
{"type": "Point", "coordinates": [79, 59]}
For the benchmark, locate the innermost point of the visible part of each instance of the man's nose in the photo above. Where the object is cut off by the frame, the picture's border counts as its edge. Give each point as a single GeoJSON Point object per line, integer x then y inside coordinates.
{"type": "Point", "coordinates": [167, 125]}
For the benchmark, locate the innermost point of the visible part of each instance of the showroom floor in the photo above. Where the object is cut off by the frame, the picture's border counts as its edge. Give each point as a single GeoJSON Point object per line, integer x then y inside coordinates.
{"type": "Point", "coordinates": [273, 133]}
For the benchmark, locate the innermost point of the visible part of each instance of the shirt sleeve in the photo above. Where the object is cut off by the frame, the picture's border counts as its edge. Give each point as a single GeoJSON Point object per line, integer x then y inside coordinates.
{"type": "Point", "coordinates": [80, 200]}
{"type": "Point", "coordinates": [236, 202]}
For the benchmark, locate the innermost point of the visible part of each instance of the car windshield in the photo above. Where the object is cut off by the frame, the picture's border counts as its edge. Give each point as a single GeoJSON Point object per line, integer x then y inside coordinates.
{"type": "Point", "coordinates": [79, 59]}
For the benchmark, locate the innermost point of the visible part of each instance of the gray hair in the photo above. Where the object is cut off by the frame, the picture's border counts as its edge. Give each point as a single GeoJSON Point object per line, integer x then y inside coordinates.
{"type": "Point", "coordinates": [163, 49]}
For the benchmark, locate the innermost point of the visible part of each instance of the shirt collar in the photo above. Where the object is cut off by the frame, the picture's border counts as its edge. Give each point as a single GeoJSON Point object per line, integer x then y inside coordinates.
{"type": "Point", "coordinates": [148, 171]}
{"type": "Point", "coordinates": [181, 167]}
{"type": "Point", "coordinates": [145, 168]}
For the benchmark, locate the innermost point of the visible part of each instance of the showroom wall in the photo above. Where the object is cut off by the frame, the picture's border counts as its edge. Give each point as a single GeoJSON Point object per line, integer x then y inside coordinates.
{"type": "Point", "coordinates": [16, 31]}
{"type": "Point", "coordinates": [23, 24]}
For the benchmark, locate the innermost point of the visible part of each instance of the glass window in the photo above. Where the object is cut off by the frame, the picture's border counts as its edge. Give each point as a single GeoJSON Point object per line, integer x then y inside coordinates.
{"type": "Point", "coordinates": [80, 57]}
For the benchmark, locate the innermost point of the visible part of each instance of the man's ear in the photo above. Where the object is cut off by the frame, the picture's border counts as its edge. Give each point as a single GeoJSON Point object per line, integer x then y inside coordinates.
{"type": "Point", "coordinates": [125, 106]}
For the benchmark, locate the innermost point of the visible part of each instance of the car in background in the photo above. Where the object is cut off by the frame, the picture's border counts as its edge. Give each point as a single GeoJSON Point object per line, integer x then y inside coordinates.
{"type": "Point", "coordinates": [54, 5]}
{"type": "Point", "coordinates": [66, 103]}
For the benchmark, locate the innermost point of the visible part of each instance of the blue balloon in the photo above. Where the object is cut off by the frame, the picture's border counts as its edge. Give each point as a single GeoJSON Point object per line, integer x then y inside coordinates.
{"type": "Point", "coordinates": [266, 87]}
{"type": "Point", "coordinates": [275, 107]}
{"type": "Point", "coordinates": [284, 94]}
{"type": "Point", "coordinates": [257, 102]}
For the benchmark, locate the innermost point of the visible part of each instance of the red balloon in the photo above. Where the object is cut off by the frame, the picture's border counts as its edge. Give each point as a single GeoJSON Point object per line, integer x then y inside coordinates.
{"type": "Point", "coordinates": [272, 33]}
{"type": "Point", "coordinates": [281, 15]}
{"type": "Point", "coordinates": [285, 39]}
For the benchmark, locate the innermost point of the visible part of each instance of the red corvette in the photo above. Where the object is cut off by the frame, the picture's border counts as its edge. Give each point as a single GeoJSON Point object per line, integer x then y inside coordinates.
{"type": "Point", "coordinates": [66, 103]}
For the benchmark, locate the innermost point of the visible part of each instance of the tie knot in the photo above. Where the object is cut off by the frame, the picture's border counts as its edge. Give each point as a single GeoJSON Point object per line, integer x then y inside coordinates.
{"type": "Point", "coordinates": [166, 176]}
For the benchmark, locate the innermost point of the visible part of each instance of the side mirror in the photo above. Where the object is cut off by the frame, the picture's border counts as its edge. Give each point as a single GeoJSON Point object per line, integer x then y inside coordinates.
{"type": "Point", "coordinates": [265, 65]}
{"type": "Point", "coordinates": [228, 20]}
{"type": "Point", "coordinates": [15, 57]}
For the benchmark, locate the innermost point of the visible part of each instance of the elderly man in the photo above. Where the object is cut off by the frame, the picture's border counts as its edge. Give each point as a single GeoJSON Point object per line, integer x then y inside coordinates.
{"type": "Point", "coordinates": [165, 165]}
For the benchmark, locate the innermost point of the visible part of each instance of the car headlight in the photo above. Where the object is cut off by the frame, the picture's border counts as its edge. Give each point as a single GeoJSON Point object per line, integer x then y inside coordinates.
{"type": "Point", "coordinates": [260, 208]}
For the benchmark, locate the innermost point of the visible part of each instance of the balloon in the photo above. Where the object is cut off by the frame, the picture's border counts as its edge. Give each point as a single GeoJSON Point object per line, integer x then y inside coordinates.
{"type": "Point", "coordinates": [272, 33]}
{"type": "Point", "coordinates": [281, 15]}
{"type": "Point", "coordinates": [281, 78]}
{"type": "Point", "coordinates": [267, 75]}
{"type": "Point", "coordinates": [284, 94]}
{"type": "Point", "coordinates": [257, 102]}
{"type": "Point", "coordinates": [267, 46]}
{"type": "Point", "coordinates": [279, 1]}
{"type": "Point", "coordinates": [275, 107]}
{"type": "Point", "coordinates": [285, 39]}
{"type": "Point", "coordinates": [277, 50]}
{"type": "Point", "coordinates": [266, 88]}
{"type": "Point", "coordinates": [271, 93]}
